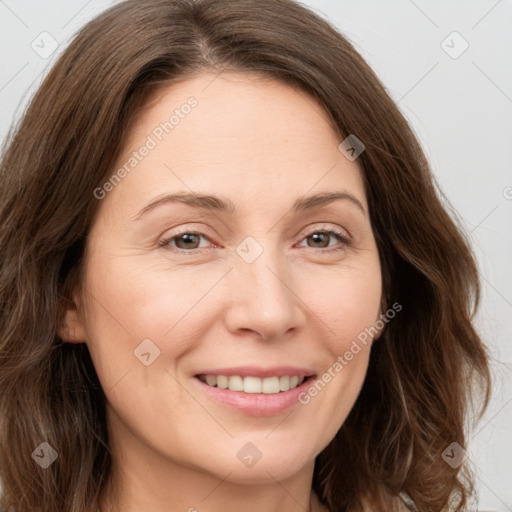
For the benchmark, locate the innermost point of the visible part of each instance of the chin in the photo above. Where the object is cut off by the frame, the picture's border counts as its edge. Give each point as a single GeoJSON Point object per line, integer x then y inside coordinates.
{"type": "Point", "coordinates": [263, 465]}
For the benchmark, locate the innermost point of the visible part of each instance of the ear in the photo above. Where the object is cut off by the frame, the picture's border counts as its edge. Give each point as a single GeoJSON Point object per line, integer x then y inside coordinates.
{"type": "Point", "coordinates": [71, 328]}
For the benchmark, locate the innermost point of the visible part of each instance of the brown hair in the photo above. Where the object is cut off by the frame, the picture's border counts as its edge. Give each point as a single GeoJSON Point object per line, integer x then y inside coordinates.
{"type": "Point", "coordinates": [420, 383]}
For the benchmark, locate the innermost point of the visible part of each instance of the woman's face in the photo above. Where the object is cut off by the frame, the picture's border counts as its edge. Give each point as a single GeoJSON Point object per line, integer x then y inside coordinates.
{"type": "Point", "coordinates": [257, 282]}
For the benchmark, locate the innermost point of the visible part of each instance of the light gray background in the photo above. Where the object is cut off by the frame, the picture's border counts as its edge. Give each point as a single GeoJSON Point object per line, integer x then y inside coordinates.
{"type": "Point", "coordinates": [460, 108]}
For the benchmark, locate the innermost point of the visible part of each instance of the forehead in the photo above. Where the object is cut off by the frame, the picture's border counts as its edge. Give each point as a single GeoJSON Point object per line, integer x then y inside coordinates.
{"type": "Point", "coordinates": [245, 135]}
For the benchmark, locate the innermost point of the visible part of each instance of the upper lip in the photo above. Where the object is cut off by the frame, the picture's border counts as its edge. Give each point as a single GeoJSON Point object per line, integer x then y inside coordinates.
{"type": "Point", "coordinates": [258, 371]}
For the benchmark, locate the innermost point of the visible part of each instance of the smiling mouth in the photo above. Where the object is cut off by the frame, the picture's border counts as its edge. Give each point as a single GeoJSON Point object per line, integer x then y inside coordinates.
{"type": "Point", "coordinates": [250, 384]}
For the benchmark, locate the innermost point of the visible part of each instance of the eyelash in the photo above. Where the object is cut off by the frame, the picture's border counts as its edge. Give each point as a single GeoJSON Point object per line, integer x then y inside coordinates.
{"type": "Point", "coordinates": [165, 243]}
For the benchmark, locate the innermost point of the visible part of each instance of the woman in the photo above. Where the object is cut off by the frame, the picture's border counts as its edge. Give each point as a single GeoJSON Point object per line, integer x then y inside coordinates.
{"type": "Point", "coordinates": [314, 351]}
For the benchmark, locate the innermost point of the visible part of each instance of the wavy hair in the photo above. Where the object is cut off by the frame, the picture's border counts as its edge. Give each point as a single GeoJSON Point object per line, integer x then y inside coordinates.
{"type": "Point", "coordinates": [425, 371]}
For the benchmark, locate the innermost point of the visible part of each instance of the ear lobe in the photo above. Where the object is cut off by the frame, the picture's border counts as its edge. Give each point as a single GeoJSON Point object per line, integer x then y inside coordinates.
{"type": "Point", "coordinates": [71, 328]}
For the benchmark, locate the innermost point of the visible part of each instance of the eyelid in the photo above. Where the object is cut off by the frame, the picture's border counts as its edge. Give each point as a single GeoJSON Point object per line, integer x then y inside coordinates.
{"type": "Point", "coordinates": [328, 227]}
{"type": "Point", "coordinates": [186, 228]}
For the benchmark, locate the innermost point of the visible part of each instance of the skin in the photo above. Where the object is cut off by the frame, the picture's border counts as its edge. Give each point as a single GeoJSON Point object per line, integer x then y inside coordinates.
{"type": "Point", "coordinates": [261, 144]}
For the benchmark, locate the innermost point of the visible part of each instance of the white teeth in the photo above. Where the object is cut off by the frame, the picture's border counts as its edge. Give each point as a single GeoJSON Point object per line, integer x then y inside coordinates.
{"type": "Point", "coordinates": [211, 380]}
{"type": "Point", "coordinates": [284, 383]}
{"type": "Point", "coordinates": [222, 381]}
{"type": "Point", "coordinates": [251, 384]}
{"type": "Point", "coordinates": [236, 383]}
{"type": "Point", "coordinates": [268, 385]}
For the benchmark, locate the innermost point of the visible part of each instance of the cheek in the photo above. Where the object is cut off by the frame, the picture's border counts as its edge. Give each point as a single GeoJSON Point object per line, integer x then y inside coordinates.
{"type": "Point", "coordinates": [347, 308]}
{"type": "Point", "coordinates": [141, 322]}
{"type": "Point", "coordinates": [346, 302]}
{"type": "Point", "coordinates": [130, 302]}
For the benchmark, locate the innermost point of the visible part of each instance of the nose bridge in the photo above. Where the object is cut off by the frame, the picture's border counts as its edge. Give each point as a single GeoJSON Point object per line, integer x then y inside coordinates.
{"type": "Point", "coordinates": [265, 301]}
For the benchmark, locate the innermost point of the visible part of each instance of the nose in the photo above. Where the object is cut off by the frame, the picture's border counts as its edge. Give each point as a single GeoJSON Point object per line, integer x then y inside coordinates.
{"type": "Point", "coordinates": [264, 297]}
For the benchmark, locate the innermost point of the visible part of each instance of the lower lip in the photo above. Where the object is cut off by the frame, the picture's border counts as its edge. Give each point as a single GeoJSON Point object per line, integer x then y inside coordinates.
{"type": "Point", "coordinates": [256, 404]}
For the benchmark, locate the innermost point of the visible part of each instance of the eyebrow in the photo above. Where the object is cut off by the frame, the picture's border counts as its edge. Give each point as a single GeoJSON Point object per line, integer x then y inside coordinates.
{"type": "Point", "coordinates": [219, 204]}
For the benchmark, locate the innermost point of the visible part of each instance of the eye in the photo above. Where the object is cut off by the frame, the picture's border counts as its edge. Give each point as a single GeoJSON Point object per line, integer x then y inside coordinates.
{"type": "Point", "coordinates": [321, 239]}
{"type": "Point", "coordinates": [185, 241]}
